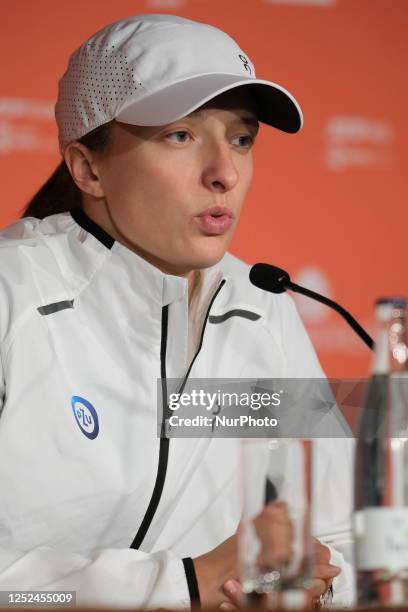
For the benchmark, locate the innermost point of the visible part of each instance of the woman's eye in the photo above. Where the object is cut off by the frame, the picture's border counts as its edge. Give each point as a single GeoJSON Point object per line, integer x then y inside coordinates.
{"type": "Point", "coordinates": [243, 141]}
{"type": "Point", "coordinates": [179, 136]}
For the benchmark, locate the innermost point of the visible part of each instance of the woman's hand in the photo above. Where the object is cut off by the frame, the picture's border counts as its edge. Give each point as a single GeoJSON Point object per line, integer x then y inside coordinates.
{"type": "Point", "coordinates": [323, 571]}
{"type": "Point", "coordinates": [323, 575]}
{"type": "Point", "coordinates": [214, 569]}
{"type": "Point", "coordinates": [219, 568]}
{"type": "Point", "coordinates": [275, 532]}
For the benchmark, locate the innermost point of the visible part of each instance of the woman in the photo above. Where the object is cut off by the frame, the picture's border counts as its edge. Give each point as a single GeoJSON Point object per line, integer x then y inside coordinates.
{"type": "Point", "coordinates": [119, 276]}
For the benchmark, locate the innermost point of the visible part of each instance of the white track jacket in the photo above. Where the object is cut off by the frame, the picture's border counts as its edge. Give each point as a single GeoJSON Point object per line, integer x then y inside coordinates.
{"type": "Point", "coordinates": [86, 329]}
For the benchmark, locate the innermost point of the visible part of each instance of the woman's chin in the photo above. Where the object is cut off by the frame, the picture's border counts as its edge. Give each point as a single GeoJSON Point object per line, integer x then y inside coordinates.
{"type": "Point", "coordinates": [207, 261]}
{"type": "Point", "coordinates": [192, 259]}
{"type": "Point", "coordinates": [211, 255]}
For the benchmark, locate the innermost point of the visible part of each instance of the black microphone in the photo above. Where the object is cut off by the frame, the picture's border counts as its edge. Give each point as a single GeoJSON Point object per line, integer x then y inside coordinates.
{"type": "Point", "coordinates": [273, 279]}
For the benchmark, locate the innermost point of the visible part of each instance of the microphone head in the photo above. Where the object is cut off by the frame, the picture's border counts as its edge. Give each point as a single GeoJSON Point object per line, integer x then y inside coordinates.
{"type": "Point", "coordinates": [270, 278]}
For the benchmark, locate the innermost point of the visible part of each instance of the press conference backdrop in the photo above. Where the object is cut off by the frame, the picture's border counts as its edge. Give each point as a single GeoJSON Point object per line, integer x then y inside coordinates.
{"type": "Point", "coordinates": [329, 204]}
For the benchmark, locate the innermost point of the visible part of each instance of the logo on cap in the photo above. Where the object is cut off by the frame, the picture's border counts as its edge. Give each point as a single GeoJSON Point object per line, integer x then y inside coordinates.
{"type": "Point", "coordinates": [86, 417]}
{"type": "Point", "coordinates": [245, 61]}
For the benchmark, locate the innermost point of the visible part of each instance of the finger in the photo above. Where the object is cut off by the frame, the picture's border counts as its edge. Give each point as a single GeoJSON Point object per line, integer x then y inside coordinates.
{"type": "Point", "coordinates": [272, 539]}
{"type": "Point", "coordinates": [278, 503]}
{"type": "Point", "coordinates": [275, 557]}
{"type": "Point", "coordinates": [227, 606]}
{"type": "Point", "coordinates": [275, 535]}
{"type": "Point", "coordinates": [233, 590]}
{"type": "Point", "coordinates": [321, 552]}
{"type": "Point", "coordinates": [280, 514]}
{"type": "Point", "coordinates": [279, 507]}
{"type": "Point", "coordinates": [317, 588]}
{"type": "Point", "coordinates": [274, 551]}
{"type": "Point", "coordinates": [326, 571]}
{"type": "Point", "coordinates": [266, 527]}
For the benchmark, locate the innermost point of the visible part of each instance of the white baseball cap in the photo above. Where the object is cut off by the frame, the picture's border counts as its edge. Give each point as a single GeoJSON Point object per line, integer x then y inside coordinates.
{"type": "Point", "coordinates": [155, 69]}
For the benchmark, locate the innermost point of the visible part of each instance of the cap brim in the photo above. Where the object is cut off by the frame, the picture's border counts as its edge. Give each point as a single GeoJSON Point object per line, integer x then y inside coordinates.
{"type": "Point", "coordinates": [274, 104]}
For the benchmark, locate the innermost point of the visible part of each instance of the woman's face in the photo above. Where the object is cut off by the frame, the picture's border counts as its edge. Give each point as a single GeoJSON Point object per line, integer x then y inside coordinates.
{"type": "Point", "coordinates": [173, 194]}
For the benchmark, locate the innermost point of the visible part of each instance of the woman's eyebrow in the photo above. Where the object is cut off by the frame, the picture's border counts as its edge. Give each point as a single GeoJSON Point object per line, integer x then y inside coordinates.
{"type": "Point", "coordinates": [249, 120]}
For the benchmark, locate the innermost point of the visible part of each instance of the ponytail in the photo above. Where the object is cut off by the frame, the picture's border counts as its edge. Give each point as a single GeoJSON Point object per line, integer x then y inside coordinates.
{"type": "Point", "coordinates": [60, 193]}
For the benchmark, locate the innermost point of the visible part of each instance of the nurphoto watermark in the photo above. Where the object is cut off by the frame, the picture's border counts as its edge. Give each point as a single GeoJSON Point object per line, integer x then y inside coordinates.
{"type": "Point", "coordinates": [282, 408]}
{"type": "Point", "coordinates": [271, 408]}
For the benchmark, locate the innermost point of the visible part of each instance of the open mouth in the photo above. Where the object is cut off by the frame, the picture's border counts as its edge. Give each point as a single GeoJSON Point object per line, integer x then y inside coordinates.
{"type": "Point", "coordinates": [216, 212]}
{"type": "Point", "coordinates": [215, 221]}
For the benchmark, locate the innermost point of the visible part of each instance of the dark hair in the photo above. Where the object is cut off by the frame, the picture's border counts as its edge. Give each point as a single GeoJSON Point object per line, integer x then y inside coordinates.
{"type": "Point", "coordinates": [60, 193]}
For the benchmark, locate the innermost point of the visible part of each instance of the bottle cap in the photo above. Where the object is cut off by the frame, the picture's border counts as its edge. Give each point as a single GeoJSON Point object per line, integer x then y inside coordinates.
{"type": "Point", "coordinates": [387, 308]}
{"type": "Point", "coordinates": [394, 301]}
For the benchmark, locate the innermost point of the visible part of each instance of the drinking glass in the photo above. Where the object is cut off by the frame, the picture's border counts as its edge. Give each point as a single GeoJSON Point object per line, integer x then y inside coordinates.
{"type": "Point", "coordinates": [275, 568]}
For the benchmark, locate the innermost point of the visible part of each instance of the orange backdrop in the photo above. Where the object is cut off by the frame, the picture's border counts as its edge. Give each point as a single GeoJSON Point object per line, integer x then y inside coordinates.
{"type": "Point", "coordinates": [329, 204]}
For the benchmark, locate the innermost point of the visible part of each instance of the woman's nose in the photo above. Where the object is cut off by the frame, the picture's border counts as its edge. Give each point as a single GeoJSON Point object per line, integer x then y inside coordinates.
{"type": "Point", "coordinates": [220, 174]}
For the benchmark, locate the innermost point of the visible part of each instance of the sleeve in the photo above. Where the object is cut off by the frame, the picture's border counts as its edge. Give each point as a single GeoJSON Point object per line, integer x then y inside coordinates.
{"type": "Point", "coordinates": [112, 577]}
{"type": "Point", "coordinates": [344, 584]}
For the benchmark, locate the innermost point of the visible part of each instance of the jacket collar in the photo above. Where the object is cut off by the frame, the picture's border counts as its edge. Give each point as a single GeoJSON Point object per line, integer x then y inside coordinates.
{"type": "Point", "coordinates": [136, 272]}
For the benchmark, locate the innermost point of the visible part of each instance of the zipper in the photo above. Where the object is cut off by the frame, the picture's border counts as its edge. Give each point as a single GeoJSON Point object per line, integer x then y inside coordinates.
{"type": "Point", "coordinates": [164, 441]}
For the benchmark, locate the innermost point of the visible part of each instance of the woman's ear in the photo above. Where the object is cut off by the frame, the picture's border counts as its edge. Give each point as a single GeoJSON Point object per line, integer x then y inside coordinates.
{"type": "Point", "coordinates": [83, 169]}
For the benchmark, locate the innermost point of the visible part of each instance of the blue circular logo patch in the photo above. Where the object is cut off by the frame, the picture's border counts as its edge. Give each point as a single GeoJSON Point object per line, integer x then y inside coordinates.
{"type": "Point", "coordinates": [86, 417]}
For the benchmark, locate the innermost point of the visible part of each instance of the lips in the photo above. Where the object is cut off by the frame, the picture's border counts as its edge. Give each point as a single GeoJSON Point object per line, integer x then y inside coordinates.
{"type": "Point", "coordinates": [215, 221]}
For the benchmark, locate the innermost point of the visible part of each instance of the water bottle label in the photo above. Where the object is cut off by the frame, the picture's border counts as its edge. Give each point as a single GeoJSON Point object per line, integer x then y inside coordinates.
{"type": "Point", "coordinates": [381, 538]}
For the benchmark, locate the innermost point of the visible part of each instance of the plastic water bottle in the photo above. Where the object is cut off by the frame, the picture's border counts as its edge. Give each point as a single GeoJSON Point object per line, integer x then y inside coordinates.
{"type": "Point", "coordinates": [381, 466]}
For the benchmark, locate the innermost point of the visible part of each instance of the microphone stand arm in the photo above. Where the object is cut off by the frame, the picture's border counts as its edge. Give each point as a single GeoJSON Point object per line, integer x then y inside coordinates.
{"type": "Point", "coordinates": [344, 313]}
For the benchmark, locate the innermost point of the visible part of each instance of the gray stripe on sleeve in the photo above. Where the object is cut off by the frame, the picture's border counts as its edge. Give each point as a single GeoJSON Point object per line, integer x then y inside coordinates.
{"type": "Point", "coordinates": [55, 307]}
{"type": "Point", "coordinates": [237, 312]}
